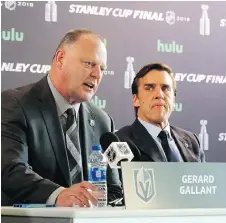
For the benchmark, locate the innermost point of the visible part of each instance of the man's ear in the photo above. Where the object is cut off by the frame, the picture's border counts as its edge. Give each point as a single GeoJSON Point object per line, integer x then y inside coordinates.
{"type": "Point", "coordinates": [59, 58]}
{"type": "Point", "coordinates": [136, 101]}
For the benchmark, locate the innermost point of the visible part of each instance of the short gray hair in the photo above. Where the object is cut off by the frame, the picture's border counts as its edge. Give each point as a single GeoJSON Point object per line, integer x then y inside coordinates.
{"type": "Point", "coordinates": [73, 35]}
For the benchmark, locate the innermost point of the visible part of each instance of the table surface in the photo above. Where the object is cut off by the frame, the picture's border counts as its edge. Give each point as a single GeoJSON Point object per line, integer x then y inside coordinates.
{"type": "Point", "coordinates": [109, 212]}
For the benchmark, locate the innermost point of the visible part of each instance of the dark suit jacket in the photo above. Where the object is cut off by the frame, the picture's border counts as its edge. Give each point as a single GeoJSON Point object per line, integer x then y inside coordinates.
{"type": "Point", "coordinates": [146, 149]}
{"type": "Point", "coordinates": [34, 160]}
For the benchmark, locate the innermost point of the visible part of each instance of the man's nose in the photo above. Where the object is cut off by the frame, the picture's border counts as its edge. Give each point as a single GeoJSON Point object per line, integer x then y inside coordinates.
{"type": "Point", "coordinates": [96, 72]}
{"type": "Point", "coordinates": [159, 92]}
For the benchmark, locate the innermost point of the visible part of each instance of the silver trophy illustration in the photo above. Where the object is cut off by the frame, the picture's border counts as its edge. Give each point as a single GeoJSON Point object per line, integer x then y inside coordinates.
{"type": "Point", "coordinates": [129, 73]}
{"type": "Point", "coordinates": [51, 11]}
{"type": "Point", "coordinates": [204, 25]}
{"type": "Point", "coordinates": [203, 136]}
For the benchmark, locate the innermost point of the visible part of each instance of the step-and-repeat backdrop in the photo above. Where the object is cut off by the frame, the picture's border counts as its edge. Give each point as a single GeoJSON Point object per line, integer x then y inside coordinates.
{"type": "Point", "coordinates": [188, 36]}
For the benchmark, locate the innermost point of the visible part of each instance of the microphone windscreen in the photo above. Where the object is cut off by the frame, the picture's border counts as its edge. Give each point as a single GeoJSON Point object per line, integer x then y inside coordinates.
{"type": "Point", "coordinates": [106, 139]}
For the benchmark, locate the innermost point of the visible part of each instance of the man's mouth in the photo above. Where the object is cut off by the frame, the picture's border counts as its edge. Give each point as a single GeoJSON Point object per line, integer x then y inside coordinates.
{"type": "Point", "coordinates": [158, 105]}
{"type": "Point", "coordinates": [89, 85]}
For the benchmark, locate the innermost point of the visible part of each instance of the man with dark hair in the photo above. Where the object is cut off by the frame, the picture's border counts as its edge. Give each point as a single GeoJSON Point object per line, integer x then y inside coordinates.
{"type": "Point", "coordinates": [49, 127]}
{"type": "Point", "coordinates": [151, 137]}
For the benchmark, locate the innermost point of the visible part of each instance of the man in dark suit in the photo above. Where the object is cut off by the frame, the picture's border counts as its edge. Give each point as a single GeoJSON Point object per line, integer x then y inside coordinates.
{"type": "Point", "coordinates": [151, 137]}
{"type": "Point", "coordinates": [35, 154]}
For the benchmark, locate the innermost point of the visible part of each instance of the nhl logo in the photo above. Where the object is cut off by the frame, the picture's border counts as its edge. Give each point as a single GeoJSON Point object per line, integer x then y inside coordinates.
{"type": "Point", "coordinates": [10, 5]}
{"type": "Point", "coordinates": [123, 149]}
{"type": "Point", "coordinates": [111, 154]}
{"type": "Point", "coordinates": [170, 17]}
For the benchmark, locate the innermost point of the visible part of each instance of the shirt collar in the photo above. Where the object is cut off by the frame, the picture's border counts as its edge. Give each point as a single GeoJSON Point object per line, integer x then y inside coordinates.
{"type": "Point", "coordinates": [61, 103]}
{"type": "Point", "coordinates": [154, 130]}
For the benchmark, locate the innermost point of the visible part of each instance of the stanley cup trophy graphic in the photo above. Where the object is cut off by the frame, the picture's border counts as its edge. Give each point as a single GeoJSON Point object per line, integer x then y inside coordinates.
{"type": "Point", "coordinates": [51, 11]}
{"type": "Point", "coordinates": [203, 136]}
{"type": "Point", "coordinates": [204, 26]}
{"type": "Point", "coordinates": [129, 73]}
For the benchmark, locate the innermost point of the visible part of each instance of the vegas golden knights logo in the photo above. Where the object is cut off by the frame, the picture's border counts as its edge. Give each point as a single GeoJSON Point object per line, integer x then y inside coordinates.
{"type": "Point", "coordinates": [144, 184]}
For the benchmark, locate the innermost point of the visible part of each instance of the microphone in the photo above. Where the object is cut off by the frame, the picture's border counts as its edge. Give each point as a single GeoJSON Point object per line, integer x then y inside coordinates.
{"type": "Point", "coordinates": [114, 150]}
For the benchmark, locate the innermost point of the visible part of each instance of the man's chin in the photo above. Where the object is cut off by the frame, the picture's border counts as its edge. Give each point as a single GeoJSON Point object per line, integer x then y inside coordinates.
{"type": "Point", "coordinates": [88, 97]}
{"type": "Point", "coordinates": [160, 120]}
{"type": "Point", "coordinates": [82, 98]}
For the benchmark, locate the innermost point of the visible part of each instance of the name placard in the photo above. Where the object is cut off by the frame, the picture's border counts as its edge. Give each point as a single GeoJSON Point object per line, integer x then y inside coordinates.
{"type": "Point", "coordinates": [149, 185]}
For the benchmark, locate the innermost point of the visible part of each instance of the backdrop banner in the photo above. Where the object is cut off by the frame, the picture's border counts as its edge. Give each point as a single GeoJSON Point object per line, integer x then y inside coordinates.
{"type": "Point", "coordinates": [190, 37]}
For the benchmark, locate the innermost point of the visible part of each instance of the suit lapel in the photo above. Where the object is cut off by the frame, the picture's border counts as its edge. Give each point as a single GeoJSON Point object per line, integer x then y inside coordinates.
{"type": "Point", "coordinates": [146, 143]}
{"type": "Point", "coordinates": [183, 147]}
{"type": "Point", "coordinates": [87, 122]}
{"type": "Point", "coordinates": [49, 113]}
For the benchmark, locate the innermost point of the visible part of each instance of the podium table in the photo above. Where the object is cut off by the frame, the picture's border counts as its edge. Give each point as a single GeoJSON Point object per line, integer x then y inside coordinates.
{"type": "Point", "coordinates": [110, 215]}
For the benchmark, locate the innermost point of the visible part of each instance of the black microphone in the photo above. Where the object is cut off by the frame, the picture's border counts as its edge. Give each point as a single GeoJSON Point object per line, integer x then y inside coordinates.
{"type": "Point", "coordinates": [114, 150]}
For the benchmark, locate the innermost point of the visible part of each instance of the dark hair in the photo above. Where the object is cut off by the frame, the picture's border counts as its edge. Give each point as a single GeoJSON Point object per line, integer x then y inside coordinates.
{"type": "Point", "coordinates": [147, 68]}
{"type": "Point", "coordinates": [73, 35]}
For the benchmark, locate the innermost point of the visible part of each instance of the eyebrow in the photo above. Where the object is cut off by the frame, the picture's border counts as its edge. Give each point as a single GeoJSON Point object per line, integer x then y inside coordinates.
{"type": "Point", "coordinates": [92, 61]}
{"type": "Point", "coordinates": [153, 85]}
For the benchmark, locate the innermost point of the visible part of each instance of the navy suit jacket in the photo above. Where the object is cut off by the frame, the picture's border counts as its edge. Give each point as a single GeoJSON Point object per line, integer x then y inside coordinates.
{"type": "Point", "coordinates": [146, 149]}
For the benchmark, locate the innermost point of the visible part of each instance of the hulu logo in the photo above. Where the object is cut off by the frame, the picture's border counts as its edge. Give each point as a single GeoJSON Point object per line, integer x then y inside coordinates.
{"type": "Point", "coordinates": [178, 107]}
{"type": "Point", "coordinates": [169, 47]}
{"type": "Point", "coordinates": [98, 102]}
{"type": "Point", "coordinates": [12, 35]}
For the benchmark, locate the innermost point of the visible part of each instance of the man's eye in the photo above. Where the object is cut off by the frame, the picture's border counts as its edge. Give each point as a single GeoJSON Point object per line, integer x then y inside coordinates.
{"type": "Point", "coordinates": [149, 88]}
{"type": "Point", "coordinates": [166, 88]}
{"type": "Point", "coordinates": [89, 64]}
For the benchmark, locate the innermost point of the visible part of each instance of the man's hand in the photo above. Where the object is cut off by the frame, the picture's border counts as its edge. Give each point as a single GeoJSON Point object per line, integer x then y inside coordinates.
{"type": "Point", "coordinates": [78, 194]}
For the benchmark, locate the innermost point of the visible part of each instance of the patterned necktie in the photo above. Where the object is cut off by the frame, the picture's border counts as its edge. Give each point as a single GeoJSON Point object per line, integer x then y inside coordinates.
{"type": "Point", "coordinates": [73, 146]}
{"type": "Point", "coordinates": [171, 155]}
